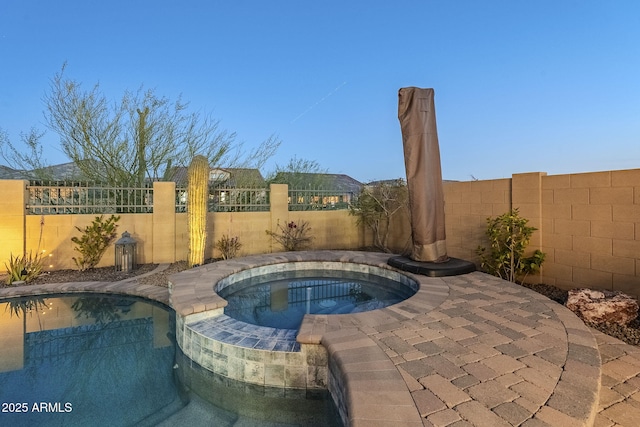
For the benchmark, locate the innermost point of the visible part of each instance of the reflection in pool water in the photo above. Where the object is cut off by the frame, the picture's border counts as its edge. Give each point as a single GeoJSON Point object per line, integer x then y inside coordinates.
{"type": "Point", "coordinates": [281, 299]}
{"type": "Point", "coordinates": [102, 361]}
{"type": "Point", "coordinates": [86, 360]}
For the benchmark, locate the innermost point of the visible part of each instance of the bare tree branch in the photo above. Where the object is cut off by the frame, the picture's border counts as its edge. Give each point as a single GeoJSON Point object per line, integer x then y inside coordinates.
{"type": "Point", "coordinates": [141, 136]}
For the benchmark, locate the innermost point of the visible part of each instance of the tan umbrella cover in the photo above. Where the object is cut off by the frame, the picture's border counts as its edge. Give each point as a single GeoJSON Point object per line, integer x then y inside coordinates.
{"type": "Point", "coordinates": [417, 115]}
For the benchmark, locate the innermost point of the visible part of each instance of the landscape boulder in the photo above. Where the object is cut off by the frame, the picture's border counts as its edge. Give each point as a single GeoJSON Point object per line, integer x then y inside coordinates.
{"type": "Point", "coordinates": [594, 306]}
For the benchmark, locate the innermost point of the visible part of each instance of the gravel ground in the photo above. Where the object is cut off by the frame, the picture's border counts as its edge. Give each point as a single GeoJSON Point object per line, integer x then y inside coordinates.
{"type": "Point", "coordinates": [108, 274]}
{"type": "Point", "coordinates": [629, 334]}
{"type": "Point", "coordinates": [102, 274]}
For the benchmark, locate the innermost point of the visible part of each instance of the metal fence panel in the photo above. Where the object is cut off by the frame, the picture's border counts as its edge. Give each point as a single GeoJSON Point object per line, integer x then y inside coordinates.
{"type": "Point", "coordinates": [230, 199]}
{"type": "Point", "coordinates": [84, 198]}
{"type": "Point", "coordinates": [319, 199]}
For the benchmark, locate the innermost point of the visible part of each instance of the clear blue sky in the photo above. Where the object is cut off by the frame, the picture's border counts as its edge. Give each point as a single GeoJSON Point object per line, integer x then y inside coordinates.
{"type": "Point", "coordinates": [521, 86]}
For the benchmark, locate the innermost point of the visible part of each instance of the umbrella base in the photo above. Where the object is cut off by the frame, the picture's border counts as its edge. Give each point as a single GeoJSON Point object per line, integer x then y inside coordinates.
{"type": "Point", "coordinates": [453, 267]}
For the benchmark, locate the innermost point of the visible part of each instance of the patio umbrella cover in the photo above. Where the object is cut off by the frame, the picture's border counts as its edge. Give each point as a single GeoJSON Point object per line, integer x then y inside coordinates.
{"type": "Point", "coordinates": [417, 115]}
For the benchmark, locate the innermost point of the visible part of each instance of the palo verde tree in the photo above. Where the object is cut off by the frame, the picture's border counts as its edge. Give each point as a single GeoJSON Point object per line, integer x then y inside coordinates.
{"type": "Point", "coordinates": [28, 158]}
{"type": "Point", "coordinates": [141, 136]}
{"type": "Point", "coordinates": [375, 207]}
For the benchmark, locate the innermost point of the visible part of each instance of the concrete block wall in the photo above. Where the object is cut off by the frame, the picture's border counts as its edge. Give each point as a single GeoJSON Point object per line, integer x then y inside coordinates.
{"type": "Point", "coordinates": [592, 230]}
{"type": "Point", "coordinates": [467, 207]}
{"type": "Point", "coordinates": [588, 224]}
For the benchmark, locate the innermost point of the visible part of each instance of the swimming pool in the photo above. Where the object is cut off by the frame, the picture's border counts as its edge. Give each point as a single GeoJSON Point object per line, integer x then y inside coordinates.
{"type": "Point", "coordinates": [105, 360]}
{"type": "Point", "coordinates": [86, 360]}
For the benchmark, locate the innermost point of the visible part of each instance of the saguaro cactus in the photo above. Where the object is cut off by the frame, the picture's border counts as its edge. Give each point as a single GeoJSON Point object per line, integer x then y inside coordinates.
{"type": "Point", "coordinates": [197, 194]}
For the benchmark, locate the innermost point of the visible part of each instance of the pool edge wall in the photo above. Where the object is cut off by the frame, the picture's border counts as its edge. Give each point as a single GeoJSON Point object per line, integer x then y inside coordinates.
{"type": "Point", "coordinates": [331, 333]}
{"type": "Point", "coordinates": [306, 369]}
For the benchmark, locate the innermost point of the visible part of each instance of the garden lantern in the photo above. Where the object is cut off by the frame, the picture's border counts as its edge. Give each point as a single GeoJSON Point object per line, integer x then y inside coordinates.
{"type": "Point", "coordinates": [125, 253]}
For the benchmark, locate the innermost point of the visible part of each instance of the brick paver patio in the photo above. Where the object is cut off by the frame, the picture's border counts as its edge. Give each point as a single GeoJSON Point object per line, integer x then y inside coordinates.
{"type": "Point", "coordinates": [470, 350]}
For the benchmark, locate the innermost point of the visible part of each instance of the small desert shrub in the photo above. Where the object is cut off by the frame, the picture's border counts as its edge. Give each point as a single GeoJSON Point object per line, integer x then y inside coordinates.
{"type": "Point", "coordinates": [509, 235]}
{"type": "Point", "coordinates": [293, 236]}
{"type": "Point", "coordinates": [229, 246]}
{"type": "Point", "coordinates": [26, 267]}
{"type": "Point", "coordinates": [94, 241]}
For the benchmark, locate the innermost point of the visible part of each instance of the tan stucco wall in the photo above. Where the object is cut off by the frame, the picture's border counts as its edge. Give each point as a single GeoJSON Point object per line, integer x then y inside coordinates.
{"type": "Point", "coordinates": [588, 225]}
{"type": "Point", "coordinates": [162, 236]}
{"type": "Point", "coordinates": [13, 202]}
{"type": "Point", "coordinates": [58, 230]}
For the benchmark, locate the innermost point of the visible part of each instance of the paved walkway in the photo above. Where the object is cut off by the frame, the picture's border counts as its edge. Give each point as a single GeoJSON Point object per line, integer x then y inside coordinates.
{"type": "Point", "coordinates": [619, 400]}
{"type": "Point", "coordinates": [469, 350]}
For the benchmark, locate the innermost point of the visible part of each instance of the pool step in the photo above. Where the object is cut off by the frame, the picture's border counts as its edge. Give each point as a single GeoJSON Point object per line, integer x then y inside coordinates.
{"type": "Point", "coordinates": [231, 331]}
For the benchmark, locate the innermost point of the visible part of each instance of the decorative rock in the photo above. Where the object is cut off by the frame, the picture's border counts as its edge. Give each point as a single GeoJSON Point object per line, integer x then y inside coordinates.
{"type": "Point", "coordinates": [594, 306]}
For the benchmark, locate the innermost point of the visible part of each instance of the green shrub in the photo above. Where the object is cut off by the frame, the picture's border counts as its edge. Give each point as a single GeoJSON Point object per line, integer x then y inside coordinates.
{"type": "Point", "coordinates": [229, 246]}
{"type": "Point", "coordinates": [26, 267]}
{"type": "Point", "coordinates": [94, 241]}
{"type": "Point", "coordinates": [509, 235]}
{"type": "Point", "coordinates": [292, 236]}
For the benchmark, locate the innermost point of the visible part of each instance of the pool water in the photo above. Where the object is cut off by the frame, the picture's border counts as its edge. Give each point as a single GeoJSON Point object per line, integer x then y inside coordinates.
{"type": "Point", "coordinates": [86, 360]}
{"type": "Point", "coordinates": [109, 361]}
{"type": "Point", "coordinates": [281, 299]}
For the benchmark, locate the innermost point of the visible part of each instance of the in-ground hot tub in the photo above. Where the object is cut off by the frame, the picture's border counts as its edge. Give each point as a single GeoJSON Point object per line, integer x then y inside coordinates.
{"type": "Point", "coordinates": [324, 353]}
{"type": "Point", "coordinates": [280, 295]}
{"type": "Point", "coordinates": [269, 354]}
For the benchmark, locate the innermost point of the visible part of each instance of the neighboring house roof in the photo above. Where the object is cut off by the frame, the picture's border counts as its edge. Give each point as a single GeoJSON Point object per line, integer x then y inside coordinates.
{"type": "Point", "coordinates": [70, 172]}
{"type": "Point", "coordinates": [237, 177]}
{"type": "Point", "coordinates": [299, 180]}
{"type": "Point", "coordinates": [61, 172]}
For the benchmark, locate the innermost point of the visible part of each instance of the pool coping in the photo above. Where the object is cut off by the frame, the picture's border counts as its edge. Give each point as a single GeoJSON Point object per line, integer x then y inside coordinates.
{"type": "Point", "coordinates": [192, 296]}
{"type": "Point", "coordinates": [127, 286]}
{"type": "Point", "coordinates": [368, 357]}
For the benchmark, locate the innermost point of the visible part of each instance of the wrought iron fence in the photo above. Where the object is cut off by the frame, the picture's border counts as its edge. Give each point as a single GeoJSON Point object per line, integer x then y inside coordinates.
{"type": "Point", "coordinates": [55, 198]}
{"type": "Point", "coordinates": [87, 198]}
{"type": "Point", "coordinates": [319, 199]}
{"type": "Point", "coordinates": [230, 199]}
